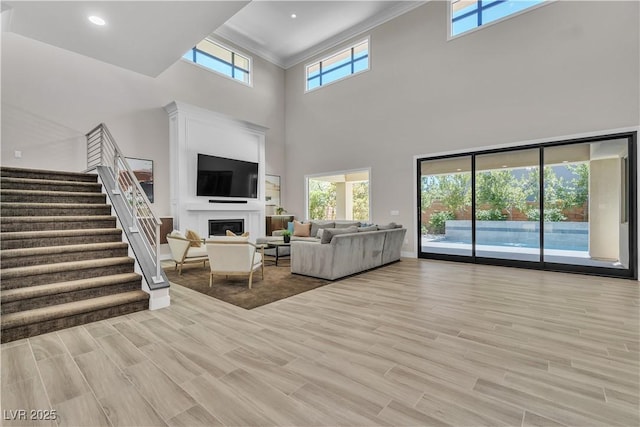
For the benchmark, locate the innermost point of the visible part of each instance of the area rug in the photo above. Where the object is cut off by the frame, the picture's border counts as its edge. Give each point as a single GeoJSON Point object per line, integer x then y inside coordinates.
{"type": "Point", "coordinates": [278, 284]}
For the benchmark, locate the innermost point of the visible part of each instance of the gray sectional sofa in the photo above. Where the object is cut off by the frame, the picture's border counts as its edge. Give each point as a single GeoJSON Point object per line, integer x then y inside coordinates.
{"type": "Point", "coordinates": [343, 248]}
{"type": "Point", "coordinates": [347, 254]}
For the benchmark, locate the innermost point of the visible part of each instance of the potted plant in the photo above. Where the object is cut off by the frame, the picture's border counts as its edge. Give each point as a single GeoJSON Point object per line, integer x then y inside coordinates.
{"type": "Point", "coordinates": [280, 210]}
{"type": "Point", "coordinates": [286, 235]}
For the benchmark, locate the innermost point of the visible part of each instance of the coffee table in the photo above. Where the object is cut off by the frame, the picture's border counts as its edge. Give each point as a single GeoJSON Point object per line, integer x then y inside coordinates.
{"type": "Point", "coordinates": [277, 245]}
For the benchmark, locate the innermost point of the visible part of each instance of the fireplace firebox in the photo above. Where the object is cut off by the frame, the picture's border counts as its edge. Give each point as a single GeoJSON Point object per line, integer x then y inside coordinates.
{"type": "Point", "coordinates": [219, 227]}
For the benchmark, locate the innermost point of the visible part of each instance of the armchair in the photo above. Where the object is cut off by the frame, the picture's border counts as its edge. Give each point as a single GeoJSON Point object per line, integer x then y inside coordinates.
{"type": "Point", "coordinates": [232, 257]}
{"type": "Point", "coordinates": [183, 253]}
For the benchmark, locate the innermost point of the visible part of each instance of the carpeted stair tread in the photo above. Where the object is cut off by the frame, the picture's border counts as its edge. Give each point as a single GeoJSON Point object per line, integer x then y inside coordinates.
{"type": "Point", "coordinates": [62, 209]}
{"type": "Point", "coordinates": [52, 250]}
{"type": "Point", "coordinates": [70, 218]}
{"type": "Point", "coordinates": [34, 270]}
{"type": "Point", "coordinates": [47, 174]}
{"type": "Point", "coordinates": [13, 320]}
{"type": "Point", "coordinates": [15, 235]}
{"type": "Point", "coordinates": [51, 197]}
{"type": "Point", "coordinates": [35, 223]}
{"type": "Point", "coordinates": [11, 295]}
{"type": "Point", "coordinates": [8, 183]}
{"type": "Point", "coordinates": [23, 257]}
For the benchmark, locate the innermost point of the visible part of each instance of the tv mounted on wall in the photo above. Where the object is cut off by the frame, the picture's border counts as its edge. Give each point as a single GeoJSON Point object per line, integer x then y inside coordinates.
{"type": "Point", "coordinates": [222, 177]}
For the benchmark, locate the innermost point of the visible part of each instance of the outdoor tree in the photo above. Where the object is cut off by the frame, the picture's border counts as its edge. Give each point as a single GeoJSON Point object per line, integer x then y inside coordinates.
{"type": "Point", "coordinates": [453, 191]}
{"type": "Point", "coordinates": [501, 190]}
{"type": "Point", "coordinates": [560, 194]}
{"type": "Point", "coordinates": [322, 199]}
{"type": "Point", "coordinates": [361, 201]}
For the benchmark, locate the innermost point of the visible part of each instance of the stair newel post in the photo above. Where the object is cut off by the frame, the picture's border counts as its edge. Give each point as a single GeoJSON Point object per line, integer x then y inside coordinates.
{"type": "Point", "coordinates": [116, 173]}
{"type": "Point", "coordinates": [134, 209]}
{"type": "Point", "coordinates": [158, 278]}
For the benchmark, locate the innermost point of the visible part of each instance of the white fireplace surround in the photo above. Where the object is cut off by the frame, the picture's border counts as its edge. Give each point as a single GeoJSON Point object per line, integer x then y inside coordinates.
{"type": "Point", "coordinates": [194, 130]}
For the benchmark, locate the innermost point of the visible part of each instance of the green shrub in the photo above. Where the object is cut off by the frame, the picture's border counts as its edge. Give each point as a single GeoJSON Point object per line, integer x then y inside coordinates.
{"type": "Point", "coordinates": [489, 215]}
{"type": "Point", "coordinates": [550, 215]}
{"type": "Point", "coordinates": [438, 220]}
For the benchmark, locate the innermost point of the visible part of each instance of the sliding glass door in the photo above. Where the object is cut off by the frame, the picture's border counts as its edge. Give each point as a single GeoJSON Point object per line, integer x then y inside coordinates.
{"type": "Point", "coordinates": [507, 208]}
{"type": "Point", "coordinates": [567, 205]}
{"type": "Point", "coordinates": [445, 200]}
{"type": "Point", "coordinates": [585, 204]}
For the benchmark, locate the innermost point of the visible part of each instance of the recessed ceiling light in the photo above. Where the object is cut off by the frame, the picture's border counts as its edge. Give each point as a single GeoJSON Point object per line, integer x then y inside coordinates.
{"type": "Point", "coordinates": [459, 169]}
{"type": "Point", "coordinates": [565, 161]}
{"type": "Point", "coordinates": [294, 16]}
{"type": "Point", "coordinates": [504, 166]}
{"type": "Point", "coordinates": [97, 20]}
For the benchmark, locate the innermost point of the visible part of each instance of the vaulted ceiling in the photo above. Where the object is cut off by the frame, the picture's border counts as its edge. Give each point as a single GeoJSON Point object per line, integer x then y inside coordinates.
{"type": "Point", "coordinates": [149, 36]}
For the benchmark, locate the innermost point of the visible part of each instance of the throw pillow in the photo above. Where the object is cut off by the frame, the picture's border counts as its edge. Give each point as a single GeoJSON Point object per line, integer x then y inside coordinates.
{"type": "Point", "coordinates": [369, 228]}
{"type": "Point", "coordinates": [232, 234]}
{"type": "Point", "coordinates": [318, 224]}
{"type": "Point", "coordinates": [290, 227]}
{"type": "Point", "coordinates": [319, 233]}
{"type": "Point", "coordinates": [178, 233]}
{"type": "Point", "coordinates": [301, 230]}
{"type": "Point", "coordinates": [196, 241]}
{"type": "Point", "coordinates": [328, 234]}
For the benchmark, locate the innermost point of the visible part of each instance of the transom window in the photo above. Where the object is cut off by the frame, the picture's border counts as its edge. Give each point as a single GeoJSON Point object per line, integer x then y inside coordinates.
{"type": "Point", "coordinates": [220, 59]}
{"type": "Point", "coordinates": [467, 15]}
{"type": "Point", "coordinates": [352, 60]}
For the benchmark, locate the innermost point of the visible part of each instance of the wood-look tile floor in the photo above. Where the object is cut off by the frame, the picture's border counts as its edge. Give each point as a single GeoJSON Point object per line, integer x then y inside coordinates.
{"type": "Point", "coordinates": [416, 343]}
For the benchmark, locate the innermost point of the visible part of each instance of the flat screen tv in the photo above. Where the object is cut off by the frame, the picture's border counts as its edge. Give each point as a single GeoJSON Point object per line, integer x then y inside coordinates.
{"type": "Point", "coordinates": [222, 177]}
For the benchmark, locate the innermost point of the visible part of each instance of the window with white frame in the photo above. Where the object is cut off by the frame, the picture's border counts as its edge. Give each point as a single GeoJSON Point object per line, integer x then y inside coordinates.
{"type": "Point", "coordinates": [467, 15]}
{"type": "Point", "coordinates": [339, 195]}
{"type": "Point", "coordinates": [345, 63]}
{"type": "Point", "coordinates": [222, 60]}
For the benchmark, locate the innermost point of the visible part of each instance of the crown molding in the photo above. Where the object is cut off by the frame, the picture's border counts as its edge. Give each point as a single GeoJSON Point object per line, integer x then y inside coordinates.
{"type": "Point", "coordinates": [256, 48]}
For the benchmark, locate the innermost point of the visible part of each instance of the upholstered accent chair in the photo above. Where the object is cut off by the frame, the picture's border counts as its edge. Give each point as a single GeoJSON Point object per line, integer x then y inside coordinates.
{"type": "Point", "coordinates": [234, 256]}
{"type": "Point", "coordinates": [184, 251]}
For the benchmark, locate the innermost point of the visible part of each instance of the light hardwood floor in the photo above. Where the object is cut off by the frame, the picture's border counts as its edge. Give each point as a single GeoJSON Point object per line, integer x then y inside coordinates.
{"type": "Point", "coordinates": [415, 343]}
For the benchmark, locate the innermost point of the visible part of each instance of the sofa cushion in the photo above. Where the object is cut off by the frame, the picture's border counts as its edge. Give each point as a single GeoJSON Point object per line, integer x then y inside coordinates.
{"type": "Point", "coordinates": [301, 230]}
{"type": "Point", "coordinates": [389, 226]}
{"type": "Point", "coordinates": [196, 252]}
{"type": "Point", "coordinates": [346, 224]}
{"type": "Point", "coordinates": [318, 224]}
{"type": "Point", "coordinates": [369, 228]}
{"type": "Point", "coordinates": [330, 232]}
{"type": "Point", "coordinates": [195, 238]}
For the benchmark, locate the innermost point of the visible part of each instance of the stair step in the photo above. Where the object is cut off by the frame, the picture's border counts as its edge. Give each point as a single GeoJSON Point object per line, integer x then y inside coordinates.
{"type": "Point", "coordinates": [8, 183]}
{"type": "Point", "coordinates": [47, 175]}
{"type": "Point", "coordinates": [34, 275]}
{"type": "Point", "coordinates": [12, 258]}
{"type": "Point", "coordinates": [47, 319]}
{"type": "Point", "coordinates": [32, 297]}
{"type": "Point", "coordinates": [41, 223]}
{"type": "Point", "coordinates": [48, 197]}
{"type": "Point", "coordinates": [34, 239]}
{"type": "Point", "coordinates": [50, 209]}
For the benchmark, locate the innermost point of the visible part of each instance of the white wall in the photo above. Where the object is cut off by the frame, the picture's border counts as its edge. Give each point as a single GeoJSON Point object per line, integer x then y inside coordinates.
{"type": "Point", "coordinates": [52, 97]}
{"type": "Point", "coordinates": [564, 68]}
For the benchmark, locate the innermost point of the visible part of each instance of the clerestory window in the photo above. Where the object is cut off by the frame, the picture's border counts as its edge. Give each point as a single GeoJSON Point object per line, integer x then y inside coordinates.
{"type": "Point", "coordinates": [220, 59]}
{"type": "Point", "coordinates": [467, 15]}
{"type": "Point", "coordinates": [338, 66]}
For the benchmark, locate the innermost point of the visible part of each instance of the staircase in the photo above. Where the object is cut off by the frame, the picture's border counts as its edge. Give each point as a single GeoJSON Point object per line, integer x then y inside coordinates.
{"type": "Point", "coordinates": [62, 259]}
